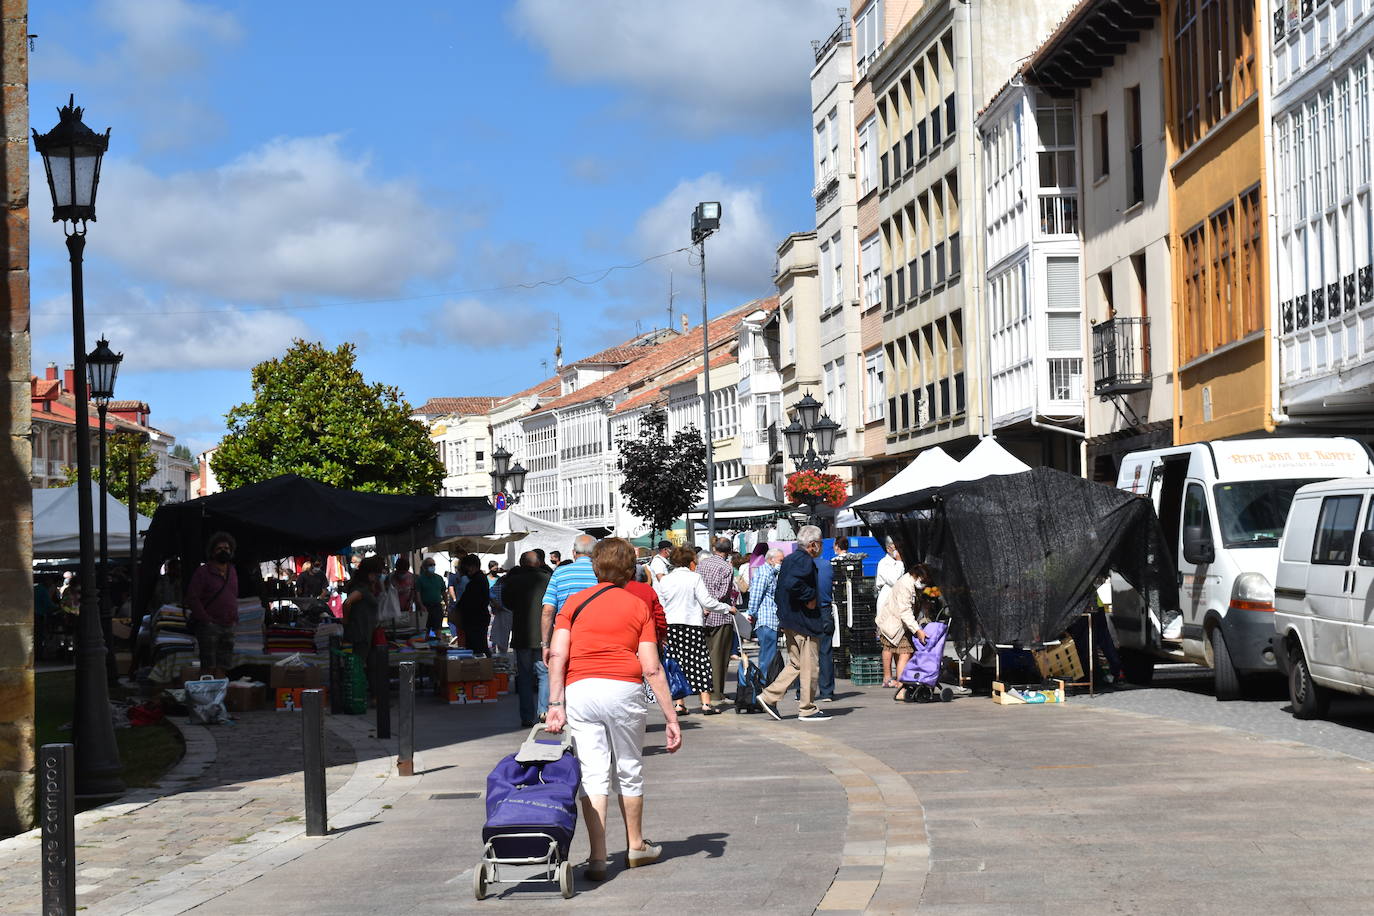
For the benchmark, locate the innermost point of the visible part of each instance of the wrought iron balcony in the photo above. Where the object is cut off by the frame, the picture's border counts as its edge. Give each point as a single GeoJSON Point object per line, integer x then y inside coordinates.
{"type": "Point", "coordinates": [1121, 356]}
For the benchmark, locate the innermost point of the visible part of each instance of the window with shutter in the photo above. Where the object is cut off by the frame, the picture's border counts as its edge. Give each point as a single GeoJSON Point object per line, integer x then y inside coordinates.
{"type": "Point", "coordinates": [1061, 283]}
{"type": "Point", "coordinates": [1063, 332]}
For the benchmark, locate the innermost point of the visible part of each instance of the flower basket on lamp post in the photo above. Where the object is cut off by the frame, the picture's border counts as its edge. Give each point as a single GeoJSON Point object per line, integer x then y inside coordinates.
{"type": "Point", "coordinates": [814, 488]}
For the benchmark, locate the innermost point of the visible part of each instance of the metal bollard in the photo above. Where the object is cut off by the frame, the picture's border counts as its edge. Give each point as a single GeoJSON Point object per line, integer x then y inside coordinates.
{"type": "Point", "coordinates": [381, 689]}
{"type": "Point", "coordinates": [336, 677]}
{"type": "Point", "coordinates": [56, 765]}
{"type": "Point", "coordinates": [312, 721]}
{"type": "Point", "coordinates": [405, 759]}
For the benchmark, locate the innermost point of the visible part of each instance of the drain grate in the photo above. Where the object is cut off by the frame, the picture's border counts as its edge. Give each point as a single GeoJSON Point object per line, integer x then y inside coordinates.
{"type": "Point", "coordinates": [450, 796]}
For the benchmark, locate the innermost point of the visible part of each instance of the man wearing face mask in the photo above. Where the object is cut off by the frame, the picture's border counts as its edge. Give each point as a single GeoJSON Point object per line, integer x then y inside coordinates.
{"type": "Point", "coordinates": [213, 597]}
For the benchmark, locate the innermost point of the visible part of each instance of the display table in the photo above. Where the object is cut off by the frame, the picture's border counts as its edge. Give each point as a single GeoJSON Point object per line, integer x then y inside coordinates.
{"type": "Point", "coordinates": [169, 666]}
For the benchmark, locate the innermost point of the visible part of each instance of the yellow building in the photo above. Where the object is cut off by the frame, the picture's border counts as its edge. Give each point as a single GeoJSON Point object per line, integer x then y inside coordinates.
{"type": "Point", "coordinates": [1213, 67]}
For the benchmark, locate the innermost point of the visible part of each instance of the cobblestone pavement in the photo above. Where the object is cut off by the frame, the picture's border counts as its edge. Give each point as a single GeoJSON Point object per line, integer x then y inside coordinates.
{"type": "Point", "coordinates": [233, 783]}
{"type": "Point", "coordinates": [968, 807]}
{"type": "Point", "coordinates": [1184, 692]}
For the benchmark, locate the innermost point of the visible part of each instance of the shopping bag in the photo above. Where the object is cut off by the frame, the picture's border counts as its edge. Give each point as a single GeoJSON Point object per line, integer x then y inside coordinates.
{"type": "Point", "coordinates": [388, 607]}
{"type": "Point", "coordinates": [678, 685]}
{"type": "Point", "coordinates": [205, 700]}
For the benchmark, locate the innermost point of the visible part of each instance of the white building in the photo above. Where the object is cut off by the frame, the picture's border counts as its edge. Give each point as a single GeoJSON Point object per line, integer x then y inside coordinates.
{"type": "Point", "coordinates": [1033, 288]}
{"type": "Point", "coordinates": [1322, 282]}
{"type": "Point", "coordinates": [760, 396]}
{"type": "Point", "coordinates": [837, 248]}
{"type": "Point", "coordinates": [460, 431]}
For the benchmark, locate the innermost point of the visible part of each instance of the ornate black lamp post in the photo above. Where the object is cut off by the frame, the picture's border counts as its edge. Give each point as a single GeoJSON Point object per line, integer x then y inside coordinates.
{"type": "Point", "coordinates": [102, 366]}
{"type": "Point", "coordinates": [507, 480]}
{"type": "Point", "coordinates": [810, 436]}
{"type": "Point", "coordinates": [71, 154]}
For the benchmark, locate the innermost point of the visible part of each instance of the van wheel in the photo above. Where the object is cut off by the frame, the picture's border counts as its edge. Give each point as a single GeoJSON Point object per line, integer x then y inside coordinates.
{"type": "Point", "coordinates": [1139, 667]}
{"type": "Point", "coordinates": [1223, 672]}
{"type": "Point", "coordinates": [1309, 701]}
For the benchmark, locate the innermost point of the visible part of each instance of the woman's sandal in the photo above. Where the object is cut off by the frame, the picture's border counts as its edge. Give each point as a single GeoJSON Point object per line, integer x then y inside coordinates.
{"type": "Point", "coordinates": [680, 709]}
{"type": "Point", "coordinates": [596, 869]}
{"type": "Point", "coordinates": [710, 710]}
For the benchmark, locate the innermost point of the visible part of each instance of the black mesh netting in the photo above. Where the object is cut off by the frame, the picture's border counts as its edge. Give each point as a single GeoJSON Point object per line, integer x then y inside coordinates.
{"type": "Point", "coordinates": [1016, 555]}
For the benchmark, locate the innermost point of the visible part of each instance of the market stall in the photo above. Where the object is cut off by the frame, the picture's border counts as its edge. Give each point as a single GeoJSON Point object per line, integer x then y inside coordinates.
{"type": "Point", "coordinates": [56, 533]}
{"type": "Point", "coordinates": [282, 517]}
{"type": "Point", "coordinates": [1016, 554]}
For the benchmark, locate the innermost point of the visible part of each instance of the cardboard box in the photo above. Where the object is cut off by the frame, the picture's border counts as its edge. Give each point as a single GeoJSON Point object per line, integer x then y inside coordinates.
{"type": "Point", "coordinates": [308, 676]}
{"type": "Point", "coordinates": [502, 682]}
{"type": "Point", "coordinates": [459, 693]}
{"type": "Point", "coordinates": [454, 670]}
{"type": "Point", "coordinates": [245, 696]}
{"type": "Point", "coordinates": [288, 699]}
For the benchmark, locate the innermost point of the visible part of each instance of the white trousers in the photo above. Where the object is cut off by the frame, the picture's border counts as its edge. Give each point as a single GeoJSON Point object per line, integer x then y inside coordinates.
{"type": "Point", "coordinates": [607, 719]}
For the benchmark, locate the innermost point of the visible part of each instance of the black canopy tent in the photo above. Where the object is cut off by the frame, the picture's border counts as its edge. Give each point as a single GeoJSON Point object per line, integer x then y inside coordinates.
{"type": "Point", "coordinates": [290, 515]}
{"type": "Point", "coordinates": [1015, 555]}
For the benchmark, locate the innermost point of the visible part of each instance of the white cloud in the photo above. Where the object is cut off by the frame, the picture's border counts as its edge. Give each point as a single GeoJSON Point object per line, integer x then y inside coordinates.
{"type": "Point", "coordinates": [164, 37]}
{"type": "Point", "coordinates": [707, 65]}
{"type": "Point", "coordinates": [172, 334]}
{"type": "Point", "coordinates": [739, 257]}
{"type": "Point", "coordinates": [296, 217]}
{"type": "Point", "coordinates": [473, 324]}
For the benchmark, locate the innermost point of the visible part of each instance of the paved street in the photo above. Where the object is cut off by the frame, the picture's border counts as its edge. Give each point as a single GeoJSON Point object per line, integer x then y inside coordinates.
{"type": "Point", "coordinates": [1132, 802]}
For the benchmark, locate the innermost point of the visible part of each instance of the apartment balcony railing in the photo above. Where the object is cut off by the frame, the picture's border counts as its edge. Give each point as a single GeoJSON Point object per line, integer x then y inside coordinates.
{"type": "Point", "coordinates": [840, 34]}
{"type": "Point", "coordinates": [40, 467]}
{"type": "Point", "coordinates": [55, 467]}
{"type": "Point", "coordinates": [1121, 356]}
{"type": "Point", "coordinates": [1065, 378]}
{"type": "Point", "coordinates": [1059, 214]}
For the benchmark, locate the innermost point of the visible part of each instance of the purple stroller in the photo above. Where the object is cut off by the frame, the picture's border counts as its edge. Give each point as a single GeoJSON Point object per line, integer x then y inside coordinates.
{"type": "Point", "coordinates": [920, 680]}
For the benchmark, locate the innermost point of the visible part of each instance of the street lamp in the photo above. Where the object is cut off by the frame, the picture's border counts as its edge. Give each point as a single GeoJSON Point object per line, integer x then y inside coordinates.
{"type": "Point", "coordinates": [810, 436]}
{"type": "Point", "coordinates": [71, 154]}
{"type": "Point", "coordinates": [102, 366]}
{"type": "Point", "coordinates": [705, 221]}
{"type": "Point", "coordinates": [507, 480]}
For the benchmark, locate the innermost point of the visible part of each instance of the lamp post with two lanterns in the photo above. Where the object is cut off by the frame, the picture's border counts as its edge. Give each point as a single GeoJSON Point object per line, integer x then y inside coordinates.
{"type": "Point", "coordinates": [810, 436]}
{"type": "Point", "coordinates": [507, 480]}
{"type": "Point", "coordinates": [71, 154]}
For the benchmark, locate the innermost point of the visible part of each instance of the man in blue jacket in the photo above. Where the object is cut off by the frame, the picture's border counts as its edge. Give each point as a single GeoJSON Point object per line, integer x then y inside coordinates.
{"type": "Point", "coordinates": [802, 626]}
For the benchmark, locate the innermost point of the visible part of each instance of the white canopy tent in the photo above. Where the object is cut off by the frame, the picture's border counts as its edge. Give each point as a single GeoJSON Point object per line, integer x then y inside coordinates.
{"type": "Point", "coordinates": [57, 534]}
{"type": "Point", "coordinates": [522, 532]}
{"type": "Point", "coordinates": [931, 468]}
{"type": "Point", "coordinates": [987, 459]}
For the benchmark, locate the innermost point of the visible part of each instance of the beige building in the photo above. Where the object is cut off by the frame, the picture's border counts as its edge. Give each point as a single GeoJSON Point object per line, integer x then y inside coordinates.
{"type": "Point", "coordinates": [1124, 220]}
{"type": "Point", "coordinates": [928, 82]}
{"type": "Point", "coordinates": [460, 429]}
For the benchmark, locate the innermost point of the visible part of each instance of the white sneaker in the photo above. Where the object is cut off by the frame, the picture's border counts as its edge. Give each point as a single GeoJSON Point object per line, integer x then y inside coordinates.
{"type": "Point", "coordinates": [1173, 628]}
{"type": "Point", "coordinates": [816, 716]}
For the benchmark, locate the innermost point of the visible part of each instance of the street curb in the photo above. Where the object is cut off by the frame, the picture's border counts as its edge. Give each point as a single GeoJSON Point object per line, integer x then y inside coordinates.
{"type": "Point", "coordinates": [886, 850]}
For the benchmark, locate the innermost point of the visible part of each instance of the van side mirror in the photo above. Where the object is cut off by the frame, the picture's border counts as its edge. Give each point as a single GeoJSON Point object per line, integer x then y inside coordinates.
{"type": "Point", "coordinates": [1366, 547]}
{"type": "Point", "coordinates": [1197, 545]}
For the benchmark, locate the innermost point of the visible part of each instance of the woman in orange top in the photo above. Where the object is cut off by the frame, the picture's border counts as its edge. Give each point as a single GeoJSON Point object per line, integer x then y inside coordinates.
{"type": "Point", "coordinates": [604, 648]}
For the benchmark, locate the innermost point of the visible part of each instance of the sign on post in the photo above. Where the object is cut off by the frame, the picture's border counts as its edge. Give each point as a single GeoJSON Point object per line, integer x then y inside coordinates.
{"type": "Point", "coordinates": [56, 766]}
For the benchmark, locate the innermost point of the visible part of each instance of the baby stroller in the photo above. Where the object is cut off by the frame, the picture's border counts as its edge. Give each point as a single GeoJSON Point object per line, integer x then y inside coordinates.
{"type": "Point", "coordinates": [920, 680]}
{"type": "Point", "coordinates": [531, 813]}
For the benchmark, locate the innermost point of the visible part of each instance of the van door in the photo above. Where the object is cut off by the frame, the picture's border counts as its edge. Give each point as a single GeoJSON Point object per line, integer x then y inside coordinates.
{"type": "Point", "coordinates": [1197, 581]}
{"type": "Point", "coordinates": [1362, 609]}
{"type": "Point", "coordinates": [1329, 592]}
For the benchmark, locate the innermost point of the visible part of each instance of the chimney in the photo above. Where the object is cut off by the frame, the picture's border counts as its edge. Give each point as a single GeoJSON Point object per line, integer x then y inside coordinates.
{"type": "Point", "coordinates": [51, 374]}
{"type": "Point", "coordinates": [686, 324]}
{"type": "Point", "coordinates": [69, 380]}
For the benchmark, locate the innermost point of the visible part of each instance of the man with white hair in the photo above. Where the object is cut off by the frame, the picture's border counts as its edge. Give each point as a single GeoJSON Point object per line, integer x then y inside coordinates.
{"type": "Point", "coordinates": [568, 579]}
{"type": "Point", "coordinates": [763, 607]}
{"type": "Point", "coordinates": [799, 618]}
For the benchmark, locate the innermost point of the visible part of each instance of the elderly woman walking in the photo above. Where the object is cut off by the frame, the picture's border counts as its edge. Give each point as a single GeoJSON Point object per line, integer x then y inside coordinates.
{"type": "Point", "coordinates": [604, 648]}
{"type": "Point", "coordinates": [898, 620]}
{"type": "Point", "coordinates": [685, 599]}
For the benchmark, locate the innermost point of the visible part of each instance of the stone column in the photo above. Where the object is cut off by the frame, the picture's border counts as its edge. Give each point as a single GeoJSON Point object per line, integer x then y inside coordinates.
{"type": "Point", "coordinates": [16, 503]}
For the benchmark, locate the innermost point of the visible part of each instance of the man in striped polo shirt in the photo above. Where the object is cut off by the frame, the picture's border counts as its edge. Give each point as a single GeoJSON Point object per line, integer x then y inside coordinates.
{"type": "Point", "coordinates": [567, 580]}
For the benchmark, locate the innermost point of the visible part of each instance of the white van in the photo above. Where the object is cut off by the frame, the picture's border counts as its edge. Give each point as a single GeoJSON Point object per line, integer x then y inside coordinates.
{"type": "Point", "coordinates": [1324, 594]}
{"type": "Point", "coordinates": [1222, 506]}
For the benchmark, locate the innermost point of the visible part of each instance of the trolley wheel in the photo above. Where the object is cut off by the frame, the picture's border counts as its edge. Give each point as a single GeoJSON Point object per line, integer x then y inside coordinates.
{"type": "Point", "coordinates": [565, 879]}
{"type": "Point", "coordinates": [946, 694]}
{"type": "Point", "coordinates": [479, 882]}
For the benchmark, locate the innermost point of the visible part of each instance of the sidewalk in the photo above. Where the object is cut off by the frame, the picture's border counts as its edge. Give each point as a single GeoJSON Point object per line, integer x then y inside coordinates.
{"type": "Point", "coordinates": [1073, 809]}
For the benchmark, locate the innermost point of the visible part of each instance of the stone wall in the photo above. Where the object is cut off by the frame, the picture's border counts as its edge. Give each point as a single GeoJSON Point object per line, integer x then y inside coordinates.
{"type": "Point", "coordinates": [16, 503]}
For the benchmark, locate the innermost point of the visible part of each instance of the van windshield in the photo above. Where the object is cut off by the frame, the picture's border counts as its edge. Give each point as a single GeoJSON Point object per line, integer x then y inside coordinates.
{"type": "Point", "coordinates": [1252, 513]}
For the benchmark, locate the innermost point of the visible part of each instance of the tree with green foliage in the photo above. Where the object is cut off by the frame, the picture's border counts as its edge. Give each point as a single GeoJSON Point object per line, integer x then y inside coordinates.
{"type": "Point", "coordinates": [664, 478]}
{"type": "Point", "coordinates": [182, 451]}
{"type": "Point", "coordinates": [314, 414]}
{"type": "Point", "coordinates": [121, 448]}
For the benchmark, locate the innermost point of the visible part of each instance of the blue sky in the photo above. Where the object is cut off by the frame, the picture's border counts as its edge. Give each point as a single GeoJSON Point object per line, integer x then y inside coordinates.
{"type": "Point", "coordinates": [341, 171]}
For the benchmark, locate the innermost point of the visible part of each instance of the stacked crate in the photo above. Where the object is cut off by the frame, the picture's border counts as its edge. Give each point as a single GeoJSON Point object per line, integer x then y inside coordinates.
{"type": "Point", "coordinates": [856, 604]}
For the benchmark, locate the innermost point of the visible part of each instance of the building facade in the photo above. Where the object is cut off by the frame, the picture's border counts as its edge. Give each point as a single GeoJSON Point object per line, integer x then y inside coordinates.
{"type": "Point", "coordinates": [928, 83]}
{"type": "Point", "coordinates": [1105, 61]}
{"type": "Point", "coordinates": [1214, 70]}
{"type": "Point", "coordinates": [460, 429]}
{"type": "Point", "coordinates": [1032, 285]}
{"type": "Point", "coordinates": [1324, 218]}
